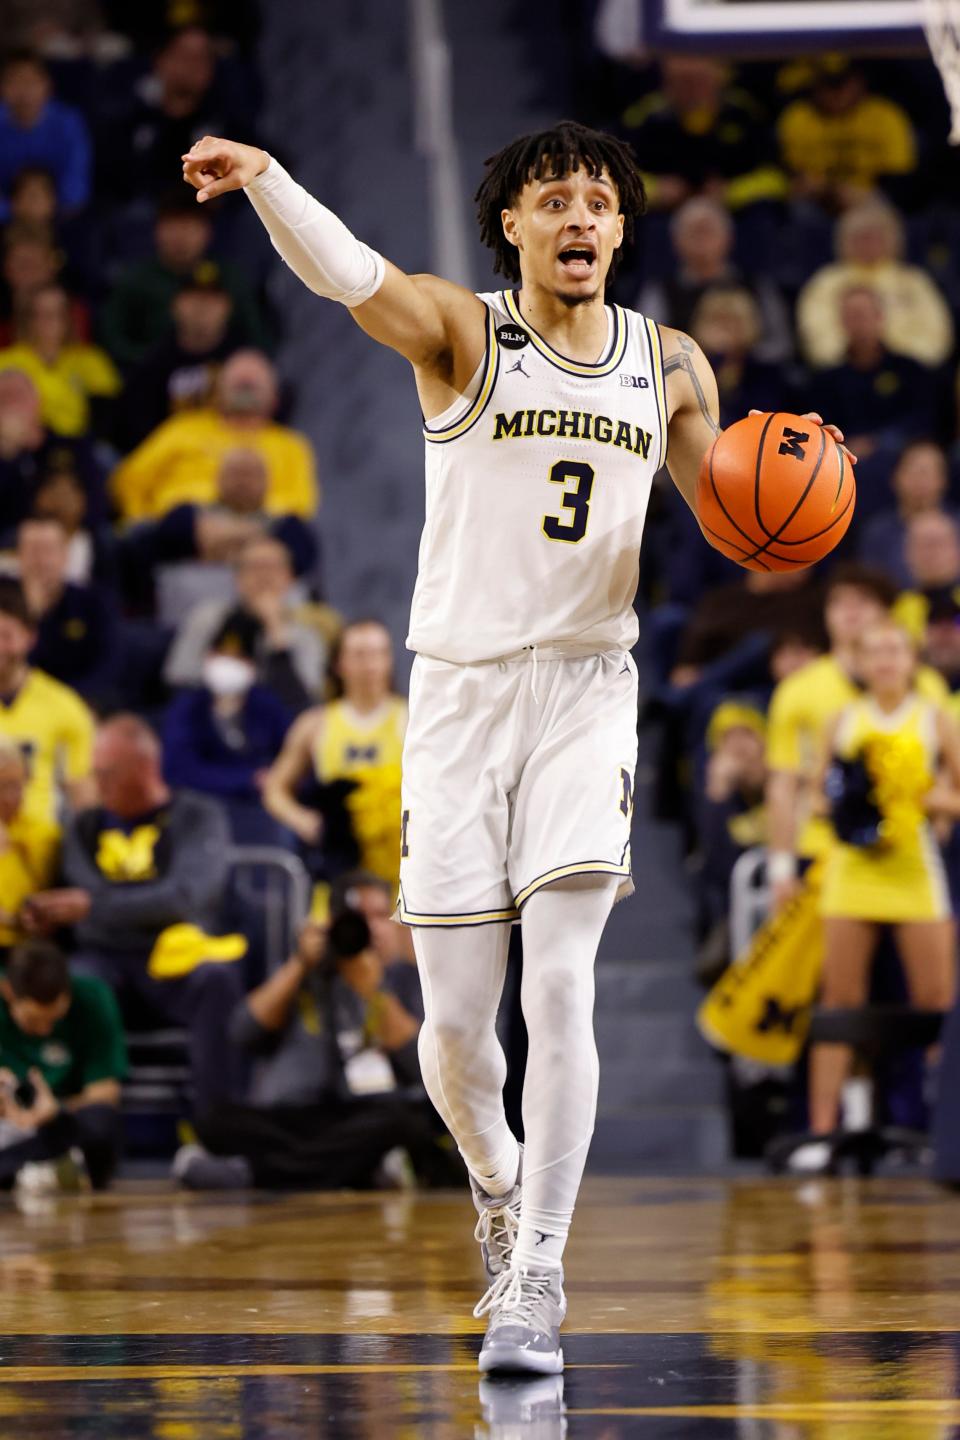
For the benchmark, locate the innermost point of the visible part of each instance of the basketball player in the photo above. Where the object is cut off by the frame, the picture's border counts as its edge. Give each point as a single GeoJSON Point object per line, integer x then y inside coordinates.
{"type": "Point", "coordinates": [547, 417]}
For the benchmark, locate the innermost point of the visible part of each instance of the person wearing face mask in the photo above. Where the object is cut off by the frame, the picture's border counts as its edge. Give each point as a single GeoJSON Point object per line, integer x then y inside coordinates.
{"type": "Point", "coordinates": [220, 738]}
{"type": "Point", "coordinates": [289, 654]}
{"type": "Point", "coordinates": [179, 461]}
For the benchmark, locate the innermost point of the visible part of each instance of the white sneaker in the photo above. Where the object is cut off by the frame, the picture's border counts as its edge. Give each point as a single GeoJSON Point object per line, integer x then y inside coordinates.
{"type": "Point", "coordinates": [498, 1224]}
{"type": "Point", "coordinates": [813, 1158]}
{"type": "Point", "coordinates": [526, 1309]}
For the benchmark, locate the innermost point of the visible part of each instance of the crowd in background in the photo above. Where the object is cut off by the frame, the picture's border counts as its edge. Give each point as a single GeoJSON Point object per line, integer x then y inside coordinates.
{"type": "Point", "coordinates": [173, 678]}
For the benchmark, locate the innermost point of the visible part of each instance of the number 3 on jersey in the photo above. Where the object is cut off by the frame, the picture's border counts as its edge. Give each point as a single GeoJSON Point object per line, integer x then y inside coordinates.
{"type": "Point", "coordinates": [579, 475]}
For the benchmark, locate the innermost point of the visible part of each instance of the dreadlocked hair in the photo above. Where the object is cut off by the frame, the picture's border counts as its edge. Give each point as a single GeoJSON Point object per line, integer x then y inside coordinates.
{"type": "Point", "coordinates": [554, 153]}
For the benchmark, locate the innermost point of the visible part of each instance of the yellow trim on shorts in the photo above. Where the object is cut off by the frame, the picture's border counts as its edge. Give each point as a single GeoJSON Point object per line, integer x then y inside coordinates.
{"type": "Point", "coordinates": [583, 867]}
{"type": "Point", "coordinates": [459, 427]}
{"type": "Point", "coordinates": [474, 917]}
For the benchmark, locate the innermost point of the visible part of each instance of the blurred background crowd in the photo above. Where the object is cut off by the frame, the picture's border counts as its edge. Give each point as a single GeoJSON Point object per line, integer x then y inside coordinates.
{"type": "Point", "coordinates": [175, 678]}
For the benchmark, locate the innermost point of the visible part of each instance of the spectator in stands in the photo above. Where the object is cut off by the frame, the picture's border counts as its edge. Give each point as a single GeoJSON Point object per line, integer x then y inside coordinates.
{"type": "Point", "coordinates": [932, 552]}
{"type": "Point", "coordinates": [919, 485]}
{"type": "Point", "coordinates": [144, 873]}
{"type": "Point", "coordinates": [64, 1057]}
{"type": "Point", "coordinates": [801, 710]}
{"type": "Point", "coordinates": [180, 461]}
{"type": "Point", "coordinates": [29, 846]}
{"type": "Point", "coordinates": [175, 104]}
{"type": "Point", "coordinates": [138, 313]}
{"type": "Point", "coordinates": [290, 656]}
{"type": "Point", "coordinates": [702, 235]}
{"type": "Point", "coordinates": [180, 372]}
{"type": "Point", "coordinates": [727, 325]}
{"type": "Point", "coordinates": [869, 245]}
{"type": "Point", "coordinates": [373, 898]}
{"type": "Point", "coordinates": [29, 452]}
{"type": "Point", "coordinates": [214, 533]}
{"type": "Point", "coordinates": [37, 130]}
{"type": "Point", "coordinates": [696, 135]}
{"type": "Point", "coordinates": [337, 1042]}
{"type": "Point", "coordinates": [758, 603]}
{"type": "Point", "coordinates": [842, 142]}
{"type": "Point", "coordinates": [34, 210]}
{"type": "Point", "coordinates": [61, 496]}
{"type": "Point", "coordinates": [731, 814]}
{"type": "Point", "coordinates": [355, 742]}
{"type": "Point", "coordinates": [32, 261]}
{"type": "Point", "coordinates": [881, 399]}
{"type": "Point", "coordinates": [75, 624]}
{"type": "Point", "coordinates": [221, 737]}
{"type": "Point", "coordinates": [47, 720]}
{"type": "Point", "coordinates": [73, 380]}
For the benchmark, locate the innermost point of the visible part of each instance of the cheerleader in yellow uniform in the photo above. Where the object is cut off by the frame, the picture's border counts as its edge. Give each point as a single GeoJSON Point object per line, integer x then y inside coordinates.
{"type": "Point", "coordinates": [884, 754]}
{"type": "Point", "coordinates": [357, 737]}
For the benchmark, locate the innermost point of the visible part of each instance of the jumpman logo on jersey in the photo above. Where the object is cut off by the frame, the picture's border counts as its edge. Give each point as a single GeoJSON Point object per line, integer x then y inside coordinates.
{"type": "Point", "coordinates": [518, 366]}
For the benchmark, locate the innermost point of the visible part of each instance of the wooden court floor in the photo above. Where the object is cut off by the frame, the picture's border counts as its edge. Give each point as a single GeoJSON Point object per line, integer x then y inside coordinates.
{"type": "Point", "coordinates": [704, 1308]}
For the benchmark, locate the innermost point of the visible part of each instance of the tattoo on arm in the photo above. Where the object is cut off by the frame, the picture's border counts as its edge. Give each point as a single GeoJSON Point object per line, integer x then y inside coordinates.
{"type": "Point", "coordinates": [684, 361]}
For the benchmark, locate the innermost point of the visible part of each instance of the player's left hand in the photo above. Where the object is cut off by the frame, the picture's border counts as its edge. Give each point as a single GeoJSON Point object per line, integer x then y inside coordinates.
{"type": "Point", "coordinates": [833, 430]}
{"type": "Point", "coordinates": [41, 1111]}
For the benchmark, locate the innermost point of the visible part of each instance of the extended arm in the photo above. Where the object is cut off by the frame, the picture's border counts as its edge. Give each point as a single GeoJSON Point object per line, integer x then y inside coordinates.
{"type": "Point", "coordinates": [437, 326]}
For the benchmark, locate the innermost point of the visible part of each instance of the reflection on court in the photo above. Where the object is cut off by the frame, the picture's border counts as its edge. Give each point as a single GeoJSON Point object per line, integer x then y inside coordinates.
{"type": "Point", "coordinates": [764, 1311]}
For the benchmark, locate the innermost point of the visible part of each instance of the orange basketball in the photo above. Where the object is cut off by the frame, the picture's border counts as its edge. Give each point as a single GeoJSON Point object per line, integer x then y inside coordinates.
{"type": "Point", "coordinates": [775, 492]}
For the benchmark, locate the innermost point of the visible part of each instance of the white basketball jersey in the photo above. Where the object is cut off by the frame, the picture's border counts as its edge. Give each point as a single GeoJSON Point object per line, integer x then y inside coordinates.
{"type": "Point", "coordinates": [537, 490]}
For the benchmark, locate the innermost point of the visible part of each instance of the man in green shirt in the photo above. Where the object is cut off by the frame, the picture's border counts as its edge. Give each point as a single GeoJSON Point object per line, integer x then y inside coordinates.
{"type": "Point", "coordinates": [62, 1058]}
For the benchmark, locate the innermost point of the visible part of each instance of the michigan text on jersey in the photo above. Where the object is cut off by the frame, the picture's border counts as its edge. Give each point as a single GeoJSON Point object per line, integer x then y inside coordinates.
{"type": "Point", "coordinates": [573, 425]}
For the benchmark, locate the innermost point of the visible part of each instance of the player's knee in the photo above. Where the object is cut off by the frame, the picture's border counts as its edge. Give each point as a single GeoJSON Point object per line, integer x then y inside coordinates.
{"type": "Point", "coordinates": [563, 998]}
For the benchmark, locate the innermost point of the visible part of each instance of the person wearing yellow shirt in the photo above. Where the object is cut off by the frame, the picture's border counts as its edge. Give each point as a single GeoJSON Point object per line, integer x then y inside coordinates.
{"type": "Point", "coordinates": [46, 721]}
{"type": "Point", "coordinates": [870, 245]}
{"type": "Point", "coordinates": [842, 140]}
{"type": "Point", "coordinates": [801, 711]}
{"type": "Point", "coordinates": [357, 737]}
{"type": "Point", "coordinates": [68, 376]}
{"type": "Point", "coordinates": [29, 846]}
{"type": "Point", "coordinates": [179, 462]}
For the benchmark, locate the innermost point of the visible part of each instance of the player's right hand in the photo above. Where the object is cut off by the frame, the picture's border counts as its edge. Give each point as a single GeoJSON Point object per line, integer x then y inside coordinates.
{"type": "Point", "coordinates": [214, 166]}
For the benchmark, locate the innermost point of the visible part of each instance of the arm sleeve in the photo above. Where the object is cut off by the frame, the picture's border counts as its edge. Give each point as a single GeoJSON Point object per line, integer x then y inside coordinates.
{"type": "Point", "coordinates": [317, 246]}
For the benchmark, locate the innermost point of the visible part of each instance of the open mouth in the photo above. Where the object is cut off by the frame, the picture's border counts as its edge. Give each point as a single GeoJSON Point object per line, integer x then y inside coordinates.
{"type": "Point", "coordinates": [577, 259]}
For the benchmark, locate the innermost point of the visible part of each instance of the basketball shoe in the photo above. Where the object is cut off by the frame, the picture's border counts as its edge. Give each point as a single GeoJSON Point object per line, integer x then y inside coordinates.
{"type": "Point", "coordinates": [497, 1224]}
{"type": "Point", "coordinates": [526, 1309]}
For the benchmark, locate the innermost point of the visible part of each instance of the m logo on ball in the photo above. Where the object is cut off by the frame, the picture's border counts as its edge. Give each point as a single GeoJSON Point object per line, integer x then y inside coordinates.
{"type": "Point", "coordinates": [792, 444]}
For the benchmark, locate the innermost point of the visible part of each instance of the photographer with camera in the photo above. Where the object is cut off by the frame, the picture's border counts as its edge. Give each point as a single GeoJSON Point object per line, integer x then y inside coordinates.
{"type": "Point", "coordinates": [339, 1087]}
{"type": "Point", "coordinates": [62, 1058]}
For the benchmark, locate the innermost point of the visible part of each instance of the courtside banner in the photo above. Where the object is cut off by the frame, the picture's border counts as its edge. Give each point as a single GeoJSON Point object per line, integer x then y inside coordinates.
{"type": "Point", "coordinates": [760, 1007]}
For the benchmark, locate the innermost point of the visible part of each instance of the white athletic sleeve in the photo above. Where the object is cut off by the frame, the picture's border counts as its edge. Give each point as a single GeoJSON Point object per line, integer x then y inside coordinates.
{"type": "Point", "coordinates": [316, 245]}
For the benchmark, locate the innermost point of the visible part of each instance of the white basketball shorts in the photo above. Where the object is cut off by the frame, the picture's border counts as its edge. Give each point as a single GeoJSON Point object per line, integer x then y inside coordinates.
{"type": "Point", "coordinates": [516, 773]}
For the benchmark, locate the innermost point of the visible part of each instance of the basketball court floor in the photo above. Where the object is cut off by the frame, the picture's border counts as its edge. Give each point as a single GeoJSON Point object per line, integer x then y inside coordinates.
{"type": "Point", "coordinates": [699, 1308]}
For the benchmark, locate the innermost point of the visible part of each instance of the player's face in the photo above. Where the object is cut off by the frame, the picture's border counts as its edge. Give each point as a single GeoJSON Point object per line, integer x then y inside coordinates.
{"type": "Point", "coordinates": [566, 231]}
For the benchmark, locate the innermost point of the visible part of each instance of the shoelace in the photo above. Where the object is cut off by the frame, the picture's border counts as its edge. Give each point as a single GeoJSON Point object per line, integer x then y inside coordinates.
{"type": "Point", "coordinates": [518, 1291]}
{"type": "Point", "coordinates": [498, 1228]}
